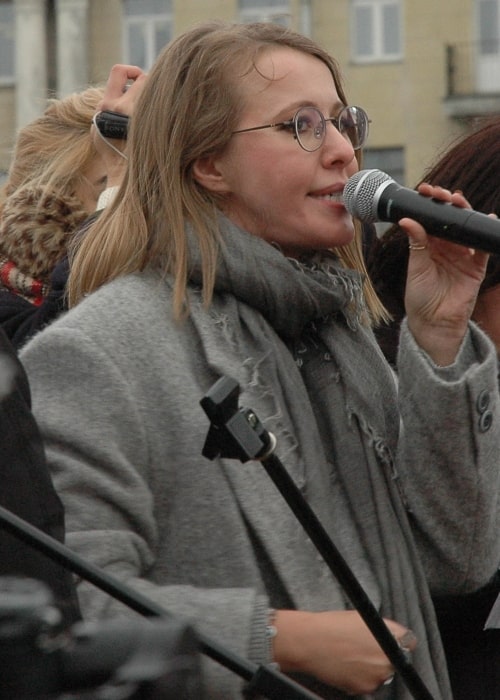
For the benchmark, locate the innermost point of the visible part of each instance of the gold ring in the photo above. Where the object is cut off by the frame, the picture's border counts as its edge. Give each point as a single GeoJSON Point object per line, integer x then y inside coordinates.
{"type": "Point", "coordinates": [416, 246]}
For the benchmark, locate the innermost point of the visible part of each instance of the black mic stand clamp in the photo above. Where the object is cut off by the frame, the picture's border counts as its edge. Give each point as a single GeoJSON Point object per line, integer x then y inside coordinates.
{"type": "Point", "coordinates": [234, 433]}
{"type": "Point", "coordinates": [237, 433]}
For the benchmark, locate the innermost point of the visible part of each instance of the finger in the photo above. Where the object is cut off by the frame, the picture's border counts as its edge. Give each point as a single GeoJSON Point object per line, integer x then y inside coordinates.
{"type": "Point", "coordinates": [434, 191]}
{"type": "Point", "coordinates": [458, 200]}
{"type": "Point", "coordinates": [403, 634]}
{"type": "Point", "coordinates": [136, 86]}
{"type": "Point", "coordinates": [120, 98]}
{"type": "Point", "coordinates": [118, 81]}
{"type": "Point", "coordinates": [457, 197]}
{"type": "Point", "coordinates": [417, 236]}
{"type": "Point", "coordinates": [134, 72]}
{"type": "Point", "coordinates": [413, 245]}
{"type": "Point", "coordinates": [407, 641]}
{"type": "Point", "coordinates": [120, 73]}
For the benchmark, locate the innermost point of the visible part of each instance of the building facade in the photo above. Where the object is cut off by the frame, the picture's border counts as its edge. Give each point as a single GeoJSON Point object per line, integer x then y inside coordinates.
{"type": "Point", "coordinates": [422, 70]}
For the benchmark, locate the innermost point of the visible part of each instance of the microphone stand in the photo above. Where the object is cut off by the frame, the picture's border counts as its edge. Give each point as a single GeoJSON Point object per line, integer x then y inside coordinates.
{"type": "Point", "coordinates": [493, 621]}
{"type": "Point", "coordinates": [238, 434]}
{"type": "Point", "coordinates": [263, 680]}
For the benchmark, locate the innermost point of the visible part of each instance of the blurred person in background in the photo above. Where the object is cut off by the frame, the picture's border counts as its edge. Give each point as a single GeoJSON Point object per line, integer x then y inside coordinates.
{"type": "Point", "coordinates": [26, 488]}
{"type": "Point", "coordinates": [61, 171]}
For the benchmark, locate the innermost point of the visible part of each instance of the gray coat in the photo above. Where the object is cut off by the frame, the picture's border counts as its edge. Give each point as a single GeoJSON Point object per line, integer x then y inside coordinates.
{"type": "Point", "coordinates": [116, 388]}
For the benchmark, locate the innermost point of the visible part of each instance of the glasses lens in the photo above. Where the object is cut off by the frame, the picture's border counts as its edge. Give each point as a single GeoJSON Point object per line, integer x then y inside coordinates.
{"type": "Point", "coordinates": [309, 128]}
{"type": "Point", "coordinates": [353, 124]}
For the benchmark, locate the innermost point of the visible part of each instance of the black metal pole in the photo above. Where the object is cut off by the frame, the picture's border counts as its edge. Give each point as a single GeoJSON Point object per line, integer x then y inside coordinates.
{"type": "Point", "coordinates": [264, 680]}
{"type": "Point", "coordinates": [345, 577]}
{"type": "Point", "coordinates": [239, 434]}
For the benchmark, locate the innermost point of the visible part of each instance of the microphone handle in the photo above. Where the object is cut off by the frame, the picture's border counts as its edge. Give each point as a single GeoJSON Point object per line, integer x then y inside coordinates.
{"type": "Point", "coordinates": [441, 219]}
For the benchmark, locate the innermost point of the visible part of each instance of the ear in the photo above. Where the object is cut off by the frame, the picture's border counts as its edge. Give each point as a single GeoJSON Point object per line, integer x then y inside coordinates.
{"type": "Point", "coordinates": [209, 174]}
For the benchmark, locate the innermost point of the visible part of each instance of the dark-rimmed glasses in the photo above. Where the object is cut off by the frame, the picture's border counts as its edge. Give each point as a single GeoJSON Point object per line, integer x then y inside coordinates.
{"type": "Point", "coordinates": [309, 126]}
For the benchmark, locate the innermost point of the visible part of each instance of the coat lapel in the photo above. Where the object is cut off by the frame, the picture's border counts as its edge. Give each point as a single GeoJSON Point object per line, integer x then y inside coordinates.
{"type": "Point", "coordinates": [302, 570]}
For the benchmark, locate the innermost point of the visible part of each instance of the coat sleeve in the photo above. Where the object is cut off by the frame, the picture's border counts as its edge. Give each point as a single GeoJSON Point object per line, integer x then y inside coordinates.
{"type": "Point", "coordinates": [449, 461]}
{"type": "Point", "coordinates": [95, 422]}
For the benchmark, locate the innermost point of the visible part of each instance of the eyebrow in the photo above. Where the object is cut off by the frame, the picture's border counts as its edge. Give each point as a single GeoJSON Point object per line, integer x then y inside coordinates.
{"type": "Point", "coordinates": [337, 107]}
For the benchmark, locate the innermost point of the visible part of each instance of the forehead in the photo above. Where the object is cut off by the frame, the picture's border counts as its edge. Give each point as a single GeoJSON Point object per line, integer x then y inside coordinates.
{"type": "Point", "coordinates": [290, 74]}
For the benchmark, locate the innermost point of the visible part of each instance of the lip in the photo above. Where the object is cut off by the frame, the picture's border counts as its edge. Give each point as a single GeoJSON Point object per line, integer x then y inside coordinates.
{"type": "Point", "coordinates": [332, 189]}
{"type": "Point", "coordinates": [332, 198]}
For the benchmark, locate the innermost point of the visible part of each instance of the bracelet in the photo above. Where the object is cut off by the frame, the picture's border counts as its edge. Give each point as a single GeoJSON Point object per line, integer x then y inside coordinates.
{"type": "Point", "coordinates": [271, 632]}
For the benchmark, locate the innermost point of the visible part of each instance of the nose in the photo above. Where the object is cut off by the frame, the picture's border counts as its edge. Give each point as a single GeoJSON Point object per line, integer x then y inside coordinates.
{"type": "Point", "coordinates": [336, 147]}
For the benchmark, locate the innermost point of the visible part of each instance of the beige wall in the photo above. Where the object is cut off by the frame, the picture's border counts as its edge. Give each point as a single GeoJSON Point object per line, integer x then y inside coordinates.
{"type": "Point", "coordinates": [7, 121]}
{"type": "Point", "coordinates": [105, 36]}
{"type": "Point", "coordinates": [191, 11]}
{"type": "Point", "coordinates": [404, 100]}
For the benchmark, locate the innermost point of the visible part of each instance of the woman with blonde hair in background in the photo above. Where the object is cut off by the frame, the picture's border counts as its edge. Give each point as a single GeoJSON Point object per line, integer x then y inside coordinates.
{"type": "Point", "coordinates": [59, 168]}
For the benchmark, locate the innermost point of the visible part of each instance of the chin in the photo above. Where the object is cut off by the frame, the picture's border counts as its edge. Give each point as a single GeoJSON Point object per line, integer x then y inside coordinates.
{"type": "Point", "coordinates": [338, 240]}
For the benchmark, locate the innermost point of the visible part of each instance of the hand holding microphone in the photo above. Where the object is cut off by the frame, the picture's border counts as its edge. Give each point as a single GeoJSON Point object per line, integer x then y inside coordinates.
{"type": "Point", "coordinates": [371, 195]}
{"type": "Point", "coordinates": [443, 280]}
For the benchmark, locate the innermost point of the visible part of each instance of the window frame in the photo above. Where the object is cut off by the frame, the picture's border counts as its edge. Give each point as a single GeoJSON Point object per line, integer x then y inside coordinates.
{"type": "Point", "coordinates": [378, 36]}
{"type": "Point", "coordinates": [149, 22]}
{"type": "Point", "coordinates": [266, 12]}
{"type": "Point", "coordinates": [7, 29]}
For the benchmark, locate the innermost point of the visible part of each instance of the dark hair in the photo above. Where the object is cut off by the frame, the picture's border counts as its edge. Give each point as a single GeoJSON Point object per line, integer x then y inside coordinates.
{"type": "Point", "coordinates": [472, 165]}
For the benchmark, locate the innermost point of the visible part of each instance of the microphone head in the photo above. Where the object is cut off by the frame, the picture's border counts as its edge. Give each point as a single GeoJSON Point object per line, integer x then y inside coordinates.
{"type": "Point", "coordinates": [359, 194]}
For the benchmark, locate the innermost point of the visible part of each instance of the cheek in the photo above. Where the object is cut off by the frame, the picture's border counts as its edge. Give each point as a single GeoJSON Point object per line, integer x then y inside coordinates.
{"type": "Point", "coordinates": [252, 176]}
{"type": "Point", "coordinates": [262, 178]}
{"type": "Point", "coordinates": [276, 175]}
{"type": "Point", "coordinates": [353, 167]}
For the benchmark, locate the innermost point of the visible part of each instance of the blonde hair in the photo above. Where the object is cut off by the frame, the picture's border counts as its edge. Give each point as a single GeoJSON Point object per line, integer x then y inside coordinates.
{"type": "Point", "coordinates": [52, 152]}
{"type": "Point", "coordinates": [187, 110]}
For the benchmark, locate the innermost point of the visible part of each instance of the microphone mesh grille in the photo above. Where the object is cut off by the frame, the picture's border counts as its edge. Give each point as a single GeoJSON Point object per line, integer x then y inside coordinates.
{"type": "Point", "coordinates": [359, 194]}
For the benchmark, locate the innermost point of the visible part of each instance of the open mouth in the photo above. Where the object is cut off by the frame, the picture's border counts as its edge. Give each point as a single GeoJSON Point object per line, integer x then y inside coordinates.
{"type": "Point", "coordinates": [337, 197]}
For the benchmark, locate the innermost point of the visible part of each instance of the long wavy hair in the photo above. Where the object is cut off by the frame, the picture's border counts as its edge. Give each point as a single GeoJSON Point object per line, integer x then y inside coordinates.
{"type": "Point", "coordinates": [52, 152]}
{"type": "Point", "coordinates": [188, 109]}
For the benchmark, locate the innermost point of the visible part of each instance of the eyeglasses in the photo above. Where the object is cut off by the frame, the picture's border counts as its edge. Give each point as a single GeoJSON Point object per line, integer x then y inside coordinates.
{"type": "Point", "coordinates": [309, 127]}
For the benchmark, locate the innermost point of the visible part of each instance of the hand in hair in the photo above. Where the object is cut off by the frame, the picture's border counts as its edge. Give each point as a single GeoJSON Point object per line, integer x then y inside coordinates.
{"type": "Point", "coordinates": [123, 87]}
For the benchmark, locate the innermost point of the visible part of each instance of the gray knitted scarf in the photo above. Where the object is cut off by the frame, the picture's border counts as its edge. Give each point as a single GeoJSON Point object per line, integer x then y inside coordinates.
{"type": "Point", "coordinates": [344, 417]}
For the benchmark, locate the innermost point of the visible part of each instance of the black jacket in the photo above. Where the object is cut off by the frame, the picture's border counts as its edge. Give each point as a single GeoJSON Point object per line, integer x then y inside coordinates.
{"type": "Point", "coordinates": [26, 487]}
{"type": "Point", "coordinates": [20, 319]}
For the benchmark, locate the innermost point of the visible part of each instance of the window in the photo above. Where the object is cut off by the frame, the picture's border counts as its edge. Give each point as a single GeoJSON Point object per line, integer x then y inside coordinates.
{"type": "Point", "coordinates": [390, 161]}
{"type": "Point", "coordinates": [277, 11]}
{"type": "Point", "coordinates": [376, 30]}
{"type": "Point", "coordinates": [148, 26]}
{"type": "Point", "coordinates": [6, 43]}
{"type": "Point", "coordinates": [488, 27]}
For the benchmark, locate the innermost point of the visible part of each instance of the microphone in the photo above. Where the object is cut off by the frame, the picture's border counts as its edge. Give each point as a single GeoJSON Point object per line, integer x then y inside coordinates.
{"type": "Point", "coordinates": [371, 195]}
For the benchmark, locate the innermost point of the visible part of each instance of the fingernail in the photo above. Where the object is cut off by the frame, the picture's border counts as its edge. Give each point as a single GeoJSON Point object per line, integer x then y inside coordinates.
{"type": "Point", "coordinates": [409, 638]}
